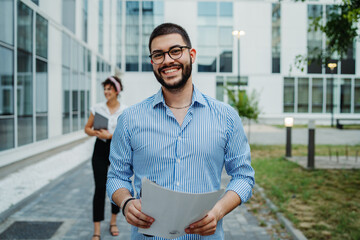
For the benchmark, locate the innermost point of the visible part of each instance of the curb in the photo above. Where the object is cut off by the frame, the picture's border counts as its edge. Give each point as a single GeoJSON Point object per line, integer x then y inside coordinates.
{"type": "Point", "coordinates": [294, 232]}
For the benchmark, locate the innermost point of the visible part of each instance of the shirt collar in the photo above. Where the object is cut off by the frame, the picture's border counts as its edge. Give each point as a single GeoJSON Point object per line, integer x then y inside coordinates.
{"type": "Point", "coordinates": [197, 97]}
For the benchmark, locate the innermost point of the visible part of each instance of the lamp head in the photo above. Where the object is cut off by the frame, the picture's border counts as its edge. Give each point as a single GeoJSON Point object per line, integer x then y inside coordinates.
{"type": "Point", "coordinates": [332, 66]}
{"type": "Point", "coordinates": [289, 122]}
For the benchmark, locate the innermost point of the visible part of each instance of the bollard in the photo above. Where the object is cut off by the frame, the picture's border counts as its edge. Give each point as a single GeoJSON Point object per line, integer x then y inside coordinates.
{"type": "Point", "coordinates": [289, 122]}
{"type": "Point", "coordinates": [311, 145]}
{"type": "Point", "coordinates": [288, 141]}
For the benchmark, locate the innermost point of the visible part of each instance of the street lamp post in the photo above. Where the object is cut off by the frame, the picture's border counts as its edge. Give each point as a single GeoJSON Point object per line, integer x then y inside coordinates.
{"type": "Point", "coordinates": [332, 66]}
{"type": "Point", "coordinates": [238, 34]}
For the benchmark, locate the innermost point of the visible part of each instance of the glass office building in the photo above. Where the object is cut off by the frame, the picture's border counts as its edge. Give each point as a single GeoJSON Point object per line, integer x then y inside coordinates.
{"type": "Point", "coordinates": [55, 54]}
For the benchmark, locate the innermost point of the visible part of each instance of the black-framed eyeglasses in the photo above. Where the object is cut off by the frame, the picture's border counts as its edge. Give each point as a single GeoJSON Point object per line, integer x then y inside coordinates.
{"type": "Point", "coordinates": [174, 52]}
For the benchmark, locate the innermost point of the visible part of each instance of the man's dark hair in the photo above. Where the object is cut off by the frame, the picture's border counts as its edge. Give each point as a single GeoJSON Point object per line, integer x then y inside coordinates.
{"type": "Point", "coordinates": [169, 28]}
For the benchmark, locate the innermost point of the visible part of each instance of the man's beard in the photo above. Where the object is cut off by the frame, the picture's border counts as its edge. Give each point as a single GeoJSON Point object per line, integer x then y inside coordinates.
{"type": "Point", "coordinates": [186, 73]}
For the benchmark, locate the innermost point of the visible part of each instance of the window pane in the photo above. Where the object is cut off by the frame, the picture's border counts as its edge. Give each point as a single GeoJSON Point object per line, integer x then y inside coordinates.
{"type": "Point", "coordinates": [66, 99]}
{"type": "Point", "coordinates": [153, 14]}
{"type": "Point", "coordinates": [226, 60]}
{"type": "Point", "coordinates": [289, 94]}
{"type": "Point", "coordinates": [357, 96]}
{"type": "Point", "coordinates": [207, 8]}
{"type": "Point", "coordinates": [345, 97]}
{"type": "Point", "coordinates": [348, 61]}
{"type": "Point", "coordinates": [132, 36]}
{"type": "Point", "coordinates": [82, 88]}
{"type": "Point", "coordinates": [314, 40]}
{"type": "Point", "coordinates": [41, 87]}
{"type": "Point", "coordinates": [85, 20]}
{"type": "Point", "coordinates": [226, 9]}
{"type": "Point", "coordinates": [7, 133]}
{"type": "Point", "coordinates": [207, 13]}
{"type": "Point", "coordinates": [24, 28]}
{"type": "Point", "coordinates": [330, 89]}
{"type": "Point", "coordinates": [6, 99]}
{"type": "Point", "coordinates": [220, 88]}
{"type": "Point", "coordinates": [303, 95]}
{"type": "Point", "coordinates": [66, 50]}
{"type": "Point", "coordinates": [207, 64]}
{"type": "Point", "coordinates": [276, 37]}
{"type": "Point", "coordinates": [119, 28]}
{"type": "Point", "coordinates": [207, 50]}
{"type": "Point", "coordinates": [75, 103]}
{"type": "Point", "coordinates": [6, 82]}
{"type": "Point", "coordinates": [25, 98]}
{"type": "Point", "coordinates": [7, 21]}
{"type": "Point", "coordinates": [41, 100]}
{"type": "Point", "coordinates": [208, 36]}
{"type": "Point", "coordinates": [101, 26]}
{"type": "Point", "coordinates": [41, 36]}
{"type": "Point", "coordinates": [317, 95]}
{"type": "Point", "coordinates": [68, 14]}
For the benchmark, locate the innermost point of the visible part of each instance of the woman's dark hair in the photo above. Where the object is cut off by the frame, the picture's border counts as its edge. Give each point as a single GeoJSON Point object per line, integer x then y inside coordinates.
{"type": "Point", "coordinates": [108, 81]}
{"type": "Point", "coordinates": [169, 28]}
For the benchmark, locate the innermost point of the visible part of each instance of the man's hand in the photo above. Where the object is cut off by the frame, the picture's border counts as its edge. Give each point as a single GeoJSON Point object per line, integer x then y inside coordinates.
{"type": "Point", "coordinates": [205, 226]}
{"type": "Point", "coordinates": [135, 217]}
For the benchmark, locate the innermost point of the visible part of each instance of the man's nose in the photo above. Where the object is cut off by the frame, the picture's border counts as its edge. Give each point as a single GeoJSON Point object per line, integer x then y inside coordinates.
{"type": "Point", "coordinates": [167, 58]}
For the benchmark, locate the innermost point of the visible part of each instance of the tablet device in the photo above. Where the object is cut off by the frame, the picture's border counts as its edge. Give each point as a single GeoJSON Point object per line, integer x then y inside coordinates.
{"type": "Point", "coordinates": [100, 122]}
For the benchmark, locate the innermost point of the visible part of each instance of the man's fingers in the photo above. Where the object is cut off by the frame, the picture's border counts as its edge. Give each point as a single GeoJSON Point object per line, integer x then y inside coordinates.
{"type": "Point", "coordinates": [204, 227]}
{"type": "Point", "coordinates": [135, 217]}
{"type": "Point", "coordinates": [202, 222]}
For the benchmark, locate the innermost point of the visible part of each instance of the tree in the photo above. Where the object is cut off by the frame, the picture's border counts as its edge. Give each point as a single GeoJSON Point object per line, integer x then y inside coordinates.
{"type": "Point", "coordinates": [341, 29]}
{"type": "Point", "coordinates": [246, 106]}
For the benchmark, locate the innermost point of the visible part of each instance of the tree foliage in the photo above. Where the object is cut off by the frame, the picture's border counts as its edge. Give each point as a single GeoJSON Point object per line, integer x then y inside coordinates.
{"type": "Point", "coordinates": [341, 29]}
{"type": "Point", "coordinates": [246, 106]}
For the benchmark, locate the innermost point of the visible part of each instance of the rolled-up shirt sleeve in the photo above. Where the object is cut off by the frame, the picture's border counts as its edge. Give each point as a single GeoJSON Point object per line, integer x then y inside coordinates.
{"type": "Point", "coordinates": [238, 158]}
{"type": "Point", "coordinates": [120, 170]}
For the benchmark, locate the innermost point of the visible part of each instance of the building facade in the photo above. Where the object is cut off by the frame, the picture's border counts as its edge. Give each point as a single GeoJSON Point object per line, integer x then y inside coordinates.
{"type": "Point", "coordinates": [54, 55]}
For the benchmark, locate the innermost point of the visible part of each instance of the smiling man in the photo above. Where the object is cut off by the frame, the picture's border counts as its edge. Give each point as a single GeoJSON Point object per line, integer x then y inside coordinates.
{"type": "Point", "coordinates": [181, 139]}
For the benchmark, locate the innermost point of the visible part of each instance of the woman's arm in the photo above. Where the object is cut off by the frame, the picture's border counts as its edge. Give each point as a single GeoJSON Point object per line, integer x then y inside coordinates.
{"type": "Point", "coordinates": [102, 133]}
{"type": "Point", "coordinates": [89, 126]}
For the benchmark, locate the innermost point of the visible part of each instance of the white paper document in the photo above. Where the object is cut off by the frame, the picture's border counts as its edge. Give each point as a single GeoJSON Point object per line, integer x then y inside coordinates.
{"type": "Point", "coordinates": [173, 211]}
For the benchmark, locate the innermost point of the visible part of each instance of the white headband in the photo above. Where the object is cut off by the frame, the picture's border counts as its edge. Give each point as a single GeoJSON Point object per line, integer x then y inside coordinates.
{"type": "Point", "coordinates": [117, 84]}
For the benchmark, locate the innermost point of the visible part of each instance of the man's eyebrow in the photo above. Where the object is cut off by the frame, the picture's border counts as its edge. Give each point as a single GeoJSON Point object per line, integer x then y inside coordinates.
{"type": "Point", "coordinates": [155, 51]}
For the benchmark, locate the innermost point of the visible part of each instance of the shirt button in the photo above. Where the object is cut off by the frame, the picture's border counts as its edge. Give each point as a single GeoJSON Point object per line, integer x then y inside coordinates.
{"type": "Point", "coordinates": [179, 138]}
{"type": "Point", "coordinates": [177, 183]}
{"type": "Point", "coordinates": [178, 160]}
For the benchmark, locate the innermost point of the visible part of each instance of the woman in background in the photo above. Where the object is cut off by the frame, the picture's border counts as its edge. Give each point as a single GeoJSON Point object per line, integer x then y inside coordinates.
{"type": "Point", "coordinates": [111, 109]}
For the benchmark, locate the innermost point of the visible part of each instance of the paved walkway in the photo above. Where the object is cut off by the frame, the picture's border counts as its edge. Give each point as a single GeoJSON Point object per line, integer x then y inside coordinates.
{"type": "Point", "coordinates": [69, 199]}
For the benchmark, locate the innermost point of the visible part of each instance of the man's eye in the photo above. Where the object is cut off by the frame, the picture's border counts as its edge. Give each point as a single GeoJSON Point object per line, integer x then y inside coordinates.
{"type": "Point", "coordinates": [175, 51]}
{"type": "Point", "coordinates": [157, 55]}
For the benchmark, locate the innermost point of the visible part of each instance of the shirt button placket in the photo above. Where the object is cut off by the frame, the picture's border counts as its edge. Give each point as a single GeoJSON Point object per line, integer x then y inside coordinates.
{"type": "Point", "coordinates": [177, 164]}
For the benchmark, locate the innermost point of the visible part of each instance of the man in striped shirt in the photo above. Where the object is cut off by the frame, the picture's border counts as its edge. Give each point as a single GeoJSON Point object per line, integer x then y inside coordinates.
{"type": "Point", "coordinates": [181, 139]}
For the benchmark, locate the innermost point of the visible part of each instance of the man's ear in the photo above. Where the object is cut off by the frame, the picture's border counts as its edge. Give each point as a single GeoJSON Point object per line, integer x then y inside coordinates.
{"type": "Point", "coordinates": [151, 61]}
{"type": "Point", "coordinates": [192, 55]}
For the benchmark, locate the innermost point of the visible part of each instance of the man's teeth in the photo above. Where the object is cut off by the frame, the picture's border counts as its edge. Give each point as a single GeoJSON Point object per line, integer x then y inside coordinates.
{"type": "Point", "coordinates": [170, 70]}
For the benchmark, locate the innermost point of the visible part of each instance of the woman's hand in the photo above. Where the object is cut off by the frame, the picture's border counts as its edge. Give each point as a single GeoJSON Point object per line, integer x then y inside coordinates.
{"type": "Point", "coordinates": [103, 134]}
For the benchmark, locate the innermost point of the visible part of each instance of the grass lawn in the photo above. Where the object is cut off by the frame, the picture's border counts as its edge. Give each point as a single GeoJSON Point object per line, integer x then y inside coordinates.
{"type": "Point", "coordinates": [323, 204]}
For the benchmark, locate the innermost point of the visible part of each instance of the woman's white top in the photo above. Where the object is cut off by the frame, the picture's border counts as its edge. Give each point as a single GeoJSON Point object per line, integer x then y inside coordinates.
{"type": "Point", "coordinates": [102, 109]}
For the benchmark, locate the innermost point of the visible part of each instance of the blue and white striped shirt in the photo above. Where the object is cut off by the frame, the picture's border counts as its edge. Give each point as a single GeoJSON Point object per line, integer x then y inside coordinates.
{"type": "Point", "coordinates": [149, 142]}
